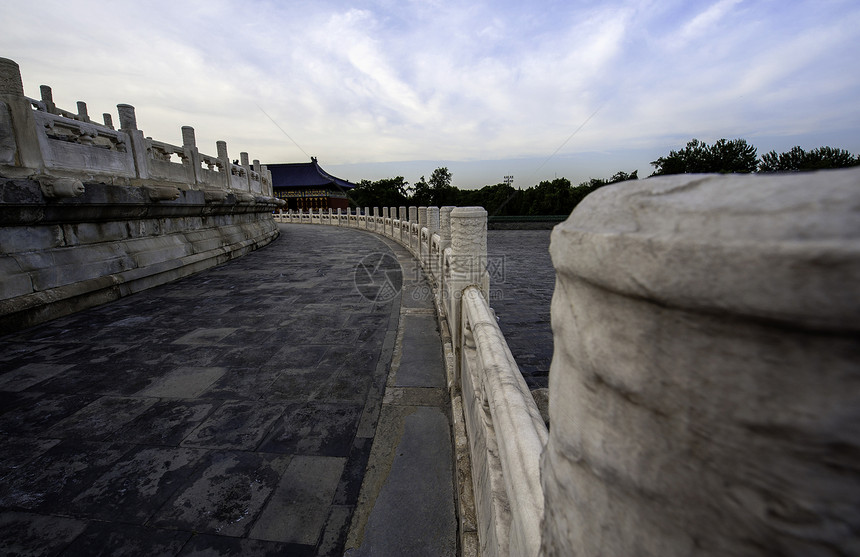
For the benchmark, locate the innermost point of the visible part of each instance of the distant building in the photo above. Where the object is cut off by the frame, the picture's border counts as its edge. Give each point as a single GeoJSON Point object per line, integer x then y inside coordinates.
{"type": "Point", "coordinates": [304, 185]}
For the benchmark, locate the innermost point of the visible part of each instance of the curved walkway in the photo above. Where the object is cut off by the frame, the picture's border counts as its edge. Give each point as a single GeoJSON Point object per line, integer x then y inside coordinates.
{"type": "Point", "coordinates": [232, 412]}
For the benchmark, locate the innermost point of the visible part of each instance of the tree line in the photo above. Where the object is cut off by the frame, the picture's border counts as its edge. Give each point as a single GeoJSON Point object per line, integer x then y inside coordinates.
{"type": "Point", "coordinates": [559, 196]}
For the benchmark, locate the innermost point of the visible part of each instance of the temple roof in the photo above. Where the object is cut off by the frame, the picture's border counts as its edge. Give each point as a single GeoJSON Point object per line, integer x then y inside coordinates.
{"type": "Point", "coordinates": [304, 175]}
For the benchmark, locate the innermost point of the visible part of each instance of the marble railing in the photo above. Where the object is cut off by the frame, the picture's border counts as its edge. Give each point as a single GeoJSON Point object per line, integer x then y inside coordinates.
{"type": "Point", "coordinates": [504, 428]}
{"type": "Point", "coordinates": [50, 143]}
{"type": "Point", "coordinates": [703, 390]}
{"type": "Point", "coordinates": [89, 213]}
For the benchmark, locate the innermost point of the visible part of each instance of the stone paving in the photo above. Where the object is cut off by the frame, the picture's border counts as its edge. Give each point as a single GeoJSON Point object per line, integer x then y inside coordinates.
{"type": "Point", "coordinates": [521, 292]}
{"type": "Point", "coordinates": [232, 412]}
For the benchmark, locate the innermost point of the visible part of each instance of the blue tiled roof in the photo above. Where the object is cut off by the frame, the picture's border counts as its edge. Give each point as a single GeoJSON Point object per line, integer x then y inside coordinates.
{"type": "Point", "coordinates": [304, 175]}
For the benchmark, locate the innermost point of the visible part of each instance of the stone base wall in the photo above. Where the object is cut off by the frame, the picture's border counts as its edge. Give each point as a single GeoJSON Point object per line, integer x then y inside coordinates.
{"type": "Point", "coordinates": [58, 256]}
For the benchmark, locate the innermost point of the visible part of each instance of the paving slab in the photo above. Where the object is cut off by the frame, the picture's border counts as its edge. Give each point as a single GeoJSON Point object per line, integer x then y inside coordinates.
{"type": "Point", "coordinates": [407, 500]}
{"type": "Point", "coordinates": [230, 413]}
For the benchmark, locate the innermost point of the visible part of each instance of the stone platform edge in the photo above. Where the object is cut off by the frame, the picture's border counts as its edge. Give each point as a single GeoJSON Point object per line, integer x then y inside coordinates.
{"type": "Point", "coordinates": [59, 257]}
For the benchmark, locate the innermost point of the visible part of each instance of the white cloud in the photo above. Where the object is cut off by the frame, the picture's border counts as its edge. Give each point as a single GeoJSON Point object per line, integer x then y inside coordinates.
{"type": "Point", "coordinates": [379, 80]}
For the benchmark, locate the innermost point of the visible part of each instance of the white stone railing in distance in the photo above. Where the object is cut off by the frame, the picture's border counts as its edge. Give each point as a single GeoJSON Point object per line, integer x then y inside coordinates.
{"type": "Point", "coordinates": [505, 431]}
{"type": "Point", "coordinates": [51, 143]}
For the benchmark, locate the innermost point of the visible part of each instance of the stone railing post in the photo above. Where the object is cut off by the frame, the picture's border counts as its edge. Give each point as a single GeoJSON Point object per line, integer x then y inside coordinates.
{"type": "Point", "coordinates": [466, 265]}
{"type": "Point", "coordinates": [23, 123]}
{"type": "Point", "coordinates": [191, 159]}
{"type": "Point", "coordinates": [226, 165]}
{"type": "Point", "coordinates": [48, 98]}
{"type": "Point", "coordinates": [413, 218]}
{"type": "Point", "coordinates": [128, 125]}
{"type": "Point", "coordinates": [703, 390]}
{"type": "Point", "coordinates": [83, 116]}
{"type": "Point", "coordinates": [246, 164]}
{"type": "Point", "coordinates": [401, 216]}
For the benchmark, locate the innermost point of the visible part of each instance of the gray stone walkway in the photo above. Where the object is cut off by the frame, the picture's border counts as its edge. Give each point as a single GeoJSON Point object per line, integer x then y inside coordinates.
{"type": "Point", "coordinates": [230, 413]}
{"type": "Point", "coordinates": [407, 502]}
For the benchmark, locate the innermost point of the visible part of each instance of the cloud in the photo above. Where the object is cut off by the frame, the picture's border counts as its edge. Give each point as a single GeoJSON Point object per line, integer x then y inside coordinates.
{"type": "Point", "coordinates": [379, 80]}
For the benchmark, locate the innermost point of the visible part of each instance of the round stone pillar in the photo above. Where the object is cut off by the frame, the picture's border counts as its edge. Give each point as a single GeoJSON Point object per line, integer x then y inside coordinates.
{"type": "Point", "coordinates": [127, 118]}
{"type": "Point", "coordinates": [703, 393]}
{"type": "Point", "coordinates": [10, 78]}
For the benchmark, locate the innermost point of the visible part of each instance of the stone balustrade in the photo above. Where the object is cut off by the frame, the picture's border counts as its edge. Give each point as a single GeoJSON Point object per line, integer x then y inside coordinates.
{"type": "Point", "coordinates": [502, 423]}
{"type": "Point", "coordinates": [703, 390]}
{"type": "Point", "coordinates": [89, 213]}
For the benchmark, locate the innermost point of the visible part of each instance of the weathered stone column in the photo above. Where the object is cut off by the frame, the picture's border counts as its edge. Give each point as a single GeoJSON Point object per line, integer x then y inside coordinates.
{"type": "Point", "coordinates": [48, 98]}
{"type": "Point", "coordinates": [413, 218]}
{"type": "Point", "coordinates": [445, 225]}
{"type": "Point", "coordinates": [191, 161]}
{"type": "Point", "coordinates": [83, 115]}
{"type": "Point", "coordinates": [226, 164]}
{"type": "Point", "coordinates": [22, 124]}
{"type": "Point", "coordinates": [108, 119]}
{"type": "Point", "coordinates": [468, 263]}
{"type": "Point", "coordinates": [704, 386]}
{"type": "Point", "coordinates": [128, 125]}
{"type": "Point", "coordinates": [246, 164]}
{"type": "Point", "coordinates": [433, 219]}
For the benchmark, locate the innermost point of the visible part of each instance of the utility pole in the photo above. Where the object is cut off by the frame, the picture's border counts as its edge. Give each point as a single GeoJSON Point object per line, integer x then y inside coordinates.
{"type": "Point", "coordinates": [509, 180]}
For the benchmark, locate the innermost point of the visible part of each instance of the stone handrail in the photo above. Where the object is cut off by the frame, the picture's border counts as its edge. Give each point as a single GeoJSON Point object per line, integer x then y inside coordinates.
{"type": "Point", "coordinates": [505, 431]}
{"type": "Point", "coordinates": [490, 372]}
{"type": "Point", "coordinates": [89, 213]}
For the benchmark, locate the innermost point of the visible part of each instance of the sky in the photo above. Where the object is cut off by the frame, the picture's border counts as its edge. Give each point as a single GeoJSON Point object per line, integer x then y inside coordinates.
{"type": "Point", "coordinates": [382, 88]}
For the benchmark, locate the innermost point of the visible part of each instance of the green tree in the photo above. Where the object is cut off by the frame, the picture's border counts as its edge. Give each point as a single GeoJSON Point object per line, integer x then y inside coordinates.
{"type": "Point", "coordinates": [724, 156]}
{"type": "Point", "coordinates": [387, 192]}
{"type": "Point", "coordinates": [421, 195]}
{"type": "Point", "coordinates": [441, 190]}
{"type": "Point", "coordinates": [798, 159]}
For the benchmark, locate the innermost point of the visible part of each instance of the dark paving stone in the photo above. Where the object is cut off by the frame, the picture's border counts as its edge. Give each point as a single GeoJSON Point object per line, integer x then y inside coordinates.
{"type": "Point", "coordinates": [167, 422]}
{"type": "Point", "coordinates": [100, 419]}
{"type": "Point", "coordinates": [52, 480]}
{"type": "Point", "coordinates": [138, 484]}
{"type": "Point", "coordinates": [413, 514]}
{"type": "Point", "coordinates": [336, 530]}
{"type": "Point", "coordinates": [322, 429]}
{"type": "Point", "coordinates": [244, 384]}
{"type": "Point", "coordinates": [299, 508]}
{"type": "Point", "coordinates": [350, 482]}
{"type": "Point", "coordinates": [42, 412]}
{"type": "Point", "coordinates": [24, 534]}
{"type": "Point", "coordinates": [219, 546]}
{"type": "Point", "coordinates": [237, 425]}
{"type": "Point", "coordinates": [102, 539]}
{"type": "Point", "coordinates": [28, 375]}
{"type": "Point", "coordinates": [421, 363]}
{"type": "Point", "coordinates": [18, 452]}
{"type": "Point", "coordinates": [225, 495]}
{"type": "Point", "coordinates": [299, 355]}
